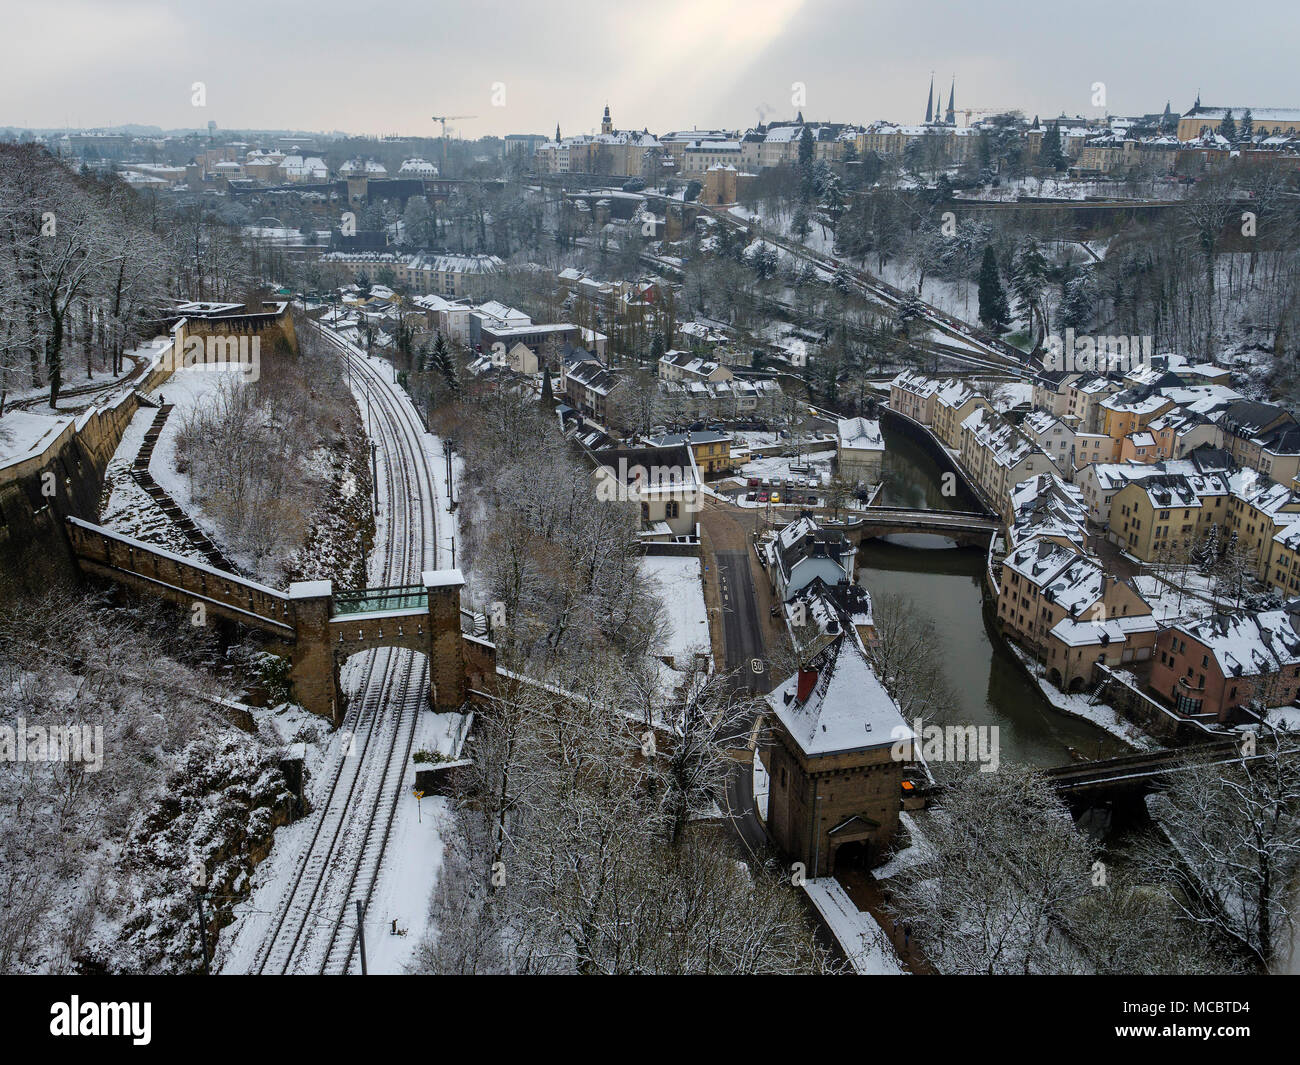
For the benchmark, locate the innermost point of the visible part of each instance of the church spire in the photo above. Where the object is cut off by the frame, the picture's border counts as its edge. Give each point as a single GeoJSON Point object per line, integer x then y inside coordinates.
{"type": "Point", "coordinates": [606, 123]}
{"type": "Point", "coordinates": [557, 133]}
{"type": "Point", "coordinates": [951, 116]}
{"type": "Point", "coordinates": [929, 101]}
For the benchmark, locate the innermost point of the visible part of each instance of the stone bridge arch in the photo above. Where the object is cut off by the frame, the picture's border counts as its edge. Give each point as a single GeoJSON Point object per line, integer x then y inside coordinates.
{"type": "Point", "coordinates": [332, 627]}
{"type": "Point", "coordinates": [316, 628]}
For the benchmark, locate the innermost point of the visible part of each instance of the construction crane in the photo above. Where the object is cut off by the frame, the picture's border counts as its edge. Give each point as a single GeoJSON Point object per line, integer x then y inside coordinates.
{"type": "Point", "coordinates": [444, 119]}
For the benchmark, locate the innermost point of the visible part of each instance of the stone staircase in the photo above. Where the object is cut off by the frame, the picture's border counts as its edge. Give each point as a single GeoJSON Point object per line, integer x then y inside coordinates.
{"type": "Point", "coordinates": [197, 538]}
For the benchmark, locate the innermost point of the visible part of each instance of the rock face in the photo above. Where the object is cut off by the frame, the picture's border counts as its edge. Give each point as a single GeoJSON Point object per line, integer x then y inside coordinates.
{"type": "Point", "coordinates": [210, 828]}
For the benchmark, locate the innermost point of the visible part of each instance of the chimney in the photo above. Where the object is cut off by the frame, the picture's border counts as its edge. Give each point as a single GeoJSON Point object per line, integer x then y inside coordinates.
{"type": "Point", "coordinates": [807, 681]}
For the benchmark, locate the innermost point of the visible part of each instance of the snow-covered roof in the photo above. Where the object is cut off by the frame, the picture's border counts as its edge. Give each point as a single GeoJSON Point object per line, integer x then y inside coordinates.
{"type": "Point", "coordinates": [847, 709]}
{"type": "Point", "coordinates": [860, 434]}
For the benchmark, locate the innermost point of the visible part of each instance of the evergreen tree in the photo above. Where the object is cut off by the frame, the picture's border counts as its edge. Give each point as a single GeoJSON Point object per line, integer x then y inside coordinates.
{"type": "Point", "coordinates": [994, 309]}
{"type": "Point", "coordinates": [1028, 280]}
{"type": "Point", "coordinates": [799, 223]}
{"type": "Point", "coordinates": [1051, 154]}
{"type": "Point", "coordinates": [806, 146]}
{"type": "Point", "coordinates": [1247, 127]}
{"type": "Point", "coordinates": [1228, 128]}
{"type": "Point", "coordinates": [909, 311]}
{"type": "Point", "coordinates": [442, 360]}
{"type": "Point", "coordinates": [1076, 304]}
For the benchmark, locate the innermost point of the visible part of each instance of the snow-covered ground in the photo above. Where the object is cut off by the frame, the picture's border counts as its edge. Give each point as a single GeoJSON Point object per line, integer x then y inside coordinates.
{"type": "Point", "coordinates": [1012, 394]}
{"type": "Point", "coordinates": [189, 388]}
{"type": "Point", "coordinates": [25, 433]}
{"type": "Point", "coordinates": [864, 941]}
{"type": "Point", "coordinates": [127, 507]}
{"type": "Point", "coordinates": [680, 585]}
{"type": "Point", "coordinates": [918, 850]}
{"type": "Point", "coordinates": [1080, 705]}
{"type": "Point", "coordinates": [778, 466]}
{"type": "Point", "coordinates": [1168, 603]}
{"type": "Point", "coordinates": [762, 786]}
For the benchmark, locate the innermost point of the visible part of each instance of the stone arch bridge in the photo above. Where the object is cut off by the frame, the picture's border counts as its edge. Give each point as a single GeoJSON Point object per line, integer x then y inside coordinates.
{"type": "Point", "coordinates": [316, 628]}
{"type": "Point", "coordinates": [967, 528]}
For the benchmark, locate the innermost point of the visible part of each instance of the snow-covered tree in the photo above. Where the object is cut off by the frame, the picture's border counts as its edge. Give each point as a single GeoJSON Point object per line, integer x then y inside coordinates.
{"type": "Point", "coordinates": [993, 308]}
{"type": "Point", "coordinates": [1235, 854]}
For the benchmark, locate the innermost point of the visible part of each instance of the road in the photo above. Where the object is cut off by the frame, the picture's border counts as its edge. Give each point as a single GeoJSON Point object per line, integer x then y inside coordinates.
{"type": "Point", "coordinates": [741, 632]}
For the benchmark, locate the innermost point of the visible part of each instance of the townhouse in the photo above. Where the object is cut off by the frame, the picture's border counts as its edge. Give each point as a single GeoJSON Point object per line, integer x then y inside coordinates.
{"type": "Point", "coordinates": [954, 402]}
{"type": "Point", "coordinates": [912, 394]}
{"type": "Point", "coordinates": [687, 366]}
{"type": "Point", "coordinates": [803, 552]}
{"type": "Point", "coordinates": [1166, 512]}
{"type": "Point", "coordinates": [1101, 481]}
{"type": "Point", "coordinates": [710, 448]}
{"type": "Point", "coordinates": [1246, 426]}
{"type": "Point", "coordinates": [1213, 667]}
{"type": "Point", "coordinates": [663, 483]}
{"type": "Point", "coordinates": [1125, 417]}
{"type": "Point", "coordinates": [1052, 435]}
{"type": "Point", "coordinates": [734, 400]}
{"type": "Point", "coordinates": [1051, 391]}
{"type": "Point", "coordinates": [1047, 507]}
{"type": "Point", "coordinates": [1060, 605]}
{"type": "Point", "coordinates": [588, 386]}
{"type": "Point", "coordinates": [1084, 398]}
{"type": "Point", "coordinates": [998, 456]}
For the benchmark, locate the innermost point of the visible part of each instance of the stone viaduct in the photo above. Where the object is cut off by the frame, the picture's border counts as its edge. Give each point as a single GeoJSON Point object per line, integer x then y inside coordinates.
{"type": "Point", "coordinates": [314, 627]}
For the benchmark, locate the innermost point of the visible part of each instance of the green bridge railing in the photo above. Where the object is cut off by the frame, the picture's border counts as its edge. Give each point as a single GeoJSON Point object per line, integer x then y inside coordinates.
{"type": "Point", "coordinates": [395, 599]}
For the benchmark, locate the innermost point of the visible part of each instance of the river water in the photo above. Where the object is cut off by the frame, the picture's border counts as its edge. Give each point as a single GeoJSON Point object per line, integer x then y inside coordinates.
{"type": "Point", "coordinates": [946, 585]}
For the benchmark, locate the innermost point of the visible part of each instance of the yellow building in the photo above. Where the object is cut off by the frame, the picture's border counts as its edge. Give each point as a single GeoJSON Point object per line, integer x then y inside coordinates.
{"type": "Point", "coordinates": [1162, 514]}
{"type": "Point", "coordinates": [712, 450]}
{"type": "Point", "coordinates": [1275, 121]}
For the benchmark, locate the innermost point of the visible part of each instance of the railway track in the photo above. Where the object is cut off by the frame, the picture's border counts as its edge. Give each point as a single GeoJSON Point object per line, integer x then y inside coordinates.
{"type": "Point", "coordinates": [314, 926]}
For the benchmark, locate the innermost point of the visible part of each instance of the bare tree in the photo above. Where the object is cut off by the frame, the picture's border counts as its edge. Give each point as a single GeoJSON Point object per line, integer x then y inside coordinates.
{"type": "Point", "coordinates": [1230, 856]}
{"type": "Point", "coordinates": [1007, 867]}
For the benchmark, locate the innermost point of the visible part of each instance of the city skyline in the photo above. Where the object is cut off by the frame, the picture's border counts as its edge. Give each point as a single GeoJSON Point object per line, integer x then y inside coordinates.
{"type": "Point", "coordinates": [684, 66]}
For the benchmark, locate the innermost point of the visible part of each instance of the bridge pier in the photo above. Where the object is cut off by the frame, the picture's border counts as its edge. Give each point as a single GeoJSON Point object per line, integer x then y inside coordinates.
{"type": "Point", "coordinates": [447, 687]}
{"type": "Point", "coordinates": [312, 669]}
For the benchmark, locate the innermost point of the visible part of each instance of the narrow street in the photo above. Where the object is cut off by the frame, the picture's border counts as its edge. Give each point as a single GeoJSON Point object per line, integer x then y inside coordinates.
{"type": "Point", "coordinates": [738, 592]}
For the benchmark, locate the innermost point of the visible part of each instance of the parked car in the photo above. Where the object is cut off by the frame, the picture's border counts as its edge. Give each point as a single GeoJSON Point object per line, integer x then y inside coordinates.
{"type": "Point", "coordinates": [753, 482]}
{"type": "Point", "coordinates": [750, 496]}
{"type": "Point", "coordinates": [762, 497]}
{"type": "Point", "coordinates": [776, 497]}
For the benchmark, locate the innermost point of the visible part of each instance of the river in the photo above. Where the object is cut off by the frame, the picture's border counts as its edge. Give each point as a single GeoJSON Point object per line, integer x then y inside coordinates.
{"type": "Point", "coordinates": [945, 584]}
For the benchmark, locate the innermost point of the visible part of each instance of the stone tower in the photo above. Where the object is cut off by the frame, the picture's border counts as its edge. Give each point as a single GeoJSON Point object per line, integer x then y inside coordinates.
{"type": "Point", "coordinates": [606, 124]}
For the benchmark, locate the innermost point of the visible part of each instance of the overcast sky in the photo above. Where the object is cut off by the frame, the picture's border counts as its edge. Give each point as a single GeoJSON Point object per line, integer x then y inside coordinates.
{"type": "Point", "coordinates": [662, 64]}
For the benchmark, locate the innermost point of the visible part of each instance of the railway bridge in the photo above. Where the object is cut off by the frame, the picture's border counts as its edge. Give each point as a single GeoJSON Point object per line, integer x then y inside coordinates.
{"type": "Point", "coordinates": [316, 628]}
